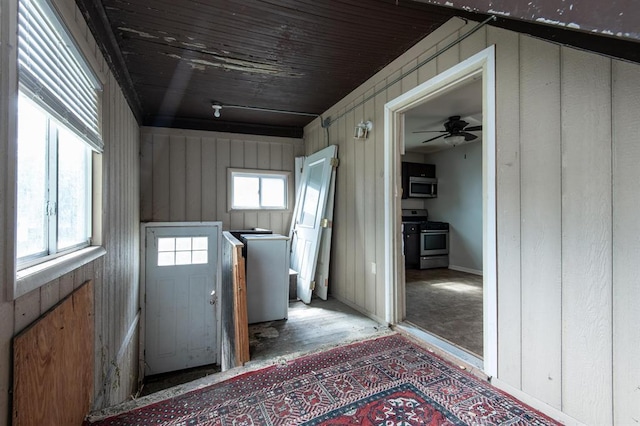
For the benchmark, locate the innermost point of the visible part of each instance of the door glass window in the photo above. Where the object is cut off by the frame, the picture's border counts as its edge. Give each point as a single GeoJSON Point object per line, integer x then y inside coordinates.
{"type": "Point", "coordinates": [312, 195]}
{"type": "Point", "coordinates": [183, 251]}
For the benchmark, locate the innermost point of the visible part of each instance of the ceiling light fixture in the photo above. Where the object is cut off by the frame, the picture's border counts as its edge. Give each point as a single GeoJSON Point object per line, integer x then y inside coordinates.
{"type": "Point", "coordinates": [217, 107]}
{"type": "Point", "coordinates": [454, 140]}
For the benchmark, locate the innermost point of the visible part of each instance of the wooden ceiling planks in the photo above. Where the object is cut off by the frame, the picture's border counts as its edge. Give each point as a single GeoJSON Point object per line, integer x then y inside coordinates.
{"type": "Point", "coordinates": [297, 55]}
{"type": "Point", "coordinates": [174, 58]}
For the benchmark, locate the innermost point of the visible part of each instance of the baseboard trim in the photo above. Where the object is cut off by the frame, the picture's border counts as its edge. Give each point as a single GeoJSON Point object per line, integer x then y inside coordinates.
{"type": "Point", "coordinates": [359, 309]}
{"type": "Point", "coordinates": [535, 403]}
{"type": "Point", "coordinates": [467, 270]}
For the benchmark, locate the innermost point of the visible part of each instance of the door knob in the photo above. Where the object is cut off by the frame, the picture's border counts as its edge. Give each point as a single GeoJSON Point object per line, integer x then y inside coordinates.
{"type": "Point", "coordinates": [214, 298]}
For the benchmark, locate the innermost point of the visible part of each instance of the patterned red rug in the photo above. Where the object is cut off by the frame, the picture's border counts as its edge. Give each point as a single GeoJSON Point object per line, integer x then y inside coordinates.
{"type": "Point", "coordinates": [387, 381]}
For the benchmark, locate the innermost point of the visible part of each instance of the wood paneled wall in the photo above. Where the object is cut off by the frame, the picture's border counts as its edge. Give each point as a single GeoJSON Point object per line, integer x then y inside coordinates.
{"type": "Point", "coordinates": [7, 127]}
{"type": "Point", "coordinates": [115, 275]}
{"type": "Point", "coordinates": [568, 151]}
{"type": "Point", "coordinates": [184, 175]}
{"type": "Point", "coordinates": [118, 299]}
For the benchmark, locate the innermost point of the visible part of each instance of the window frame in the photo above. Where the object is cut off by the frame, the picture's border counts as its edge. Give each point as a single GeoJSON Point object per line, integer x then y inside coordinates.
{"type": "Point", "coordinates": [259, 173]}
{"type": "Point", "coordinates": [33, 277]}
{"type": "Point", "coordinates": [52, 251]}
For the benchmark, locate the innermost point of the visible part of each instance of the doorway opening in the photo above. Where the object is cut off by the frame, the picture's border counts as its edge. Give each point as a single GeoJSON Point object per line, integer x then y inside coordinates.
{"type": "Point", "coordinates": [453, 307]}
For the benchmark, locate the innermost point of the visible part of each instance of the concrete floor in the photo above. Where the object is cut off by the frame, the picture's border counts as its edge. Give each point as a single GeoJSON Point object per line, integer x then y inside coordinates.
{"type": "Point", "coordinates": [158, 382]}
{"type": "Point", "coordinates": [443, 302]}
{"type": "Point", "coordinates": [448, 304]}
{"type": "Point", "coordinates": [309, 328]}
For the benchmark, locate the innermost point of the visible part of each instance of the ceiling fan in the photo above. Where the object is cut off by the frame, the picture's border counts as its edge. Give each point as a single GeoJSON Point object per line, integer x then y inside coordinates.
{"type": "Point", "coordinates": [454, 126]}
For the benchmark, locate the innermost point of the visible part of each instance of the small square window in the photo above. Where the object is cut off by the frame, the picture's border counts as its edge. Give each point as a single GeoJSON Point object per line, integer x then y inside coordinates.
{"type": "Point", "coordinates": [199, 257]}
{"type": "Point", "coordinates": [258, 190]}
{"type": "Point", "coordinates": [200, 243]}
{"type": "Point", "coordinates": [166, 244]}
{"type": "Point", "coordinates": [183, 244]}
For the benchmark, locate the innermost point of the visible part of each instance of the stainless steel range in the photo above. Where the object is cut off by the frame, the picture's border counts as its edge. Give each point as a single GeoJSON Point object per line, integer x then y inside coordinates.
{"type": "Point", "coordinates": [434, 239]}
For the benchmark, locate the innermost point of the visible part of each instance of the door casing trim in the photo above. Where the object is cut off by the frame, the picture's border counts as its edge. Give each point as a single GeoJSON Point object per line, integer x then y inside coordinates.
{"type": "Point", "coordinates": [481, 65]}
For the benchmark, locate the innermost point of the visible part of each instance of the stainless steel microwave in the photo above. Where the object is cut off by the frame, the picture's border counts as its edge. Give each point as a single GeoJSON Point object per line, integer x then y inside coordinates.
{"type": "Point", "coordinates": [422, 187]}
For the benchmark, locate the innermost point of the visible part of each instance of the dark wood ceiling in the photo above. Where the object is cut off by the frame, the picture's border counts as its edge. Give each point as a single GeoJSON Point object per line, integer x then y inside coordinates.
{"type": "Point", "coordinates": [175, 58]}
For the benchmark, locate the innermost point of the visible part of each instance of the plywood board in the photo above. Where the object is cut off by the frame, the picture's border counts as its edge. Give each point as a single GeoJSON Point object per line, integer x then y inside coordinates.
{"type": "Point", "coordinates": [160, 185]}
{"type": "Point", "coordinates": [53, 364]}
{"type": "Point", "coordinates": [233, 305]}
{"type": "Point", "coordinates": [508, 203]}
{"type": "Point", "coordinates": [369, 208]}
{"type": "Point", "coordinates": [194, 179]}
{"type": "Point", "coordinates": [541, 233]}
{"type": "Point", "coordinates": [626, 244]}
{"type": "Point", "coordinates": [586, 237]}
{"type": "Point", "coordinates": [241, 322]}
{"type": "Point", "coordinates": [177, 178]}
{"type": "Point", "coordinates": [358, 211]}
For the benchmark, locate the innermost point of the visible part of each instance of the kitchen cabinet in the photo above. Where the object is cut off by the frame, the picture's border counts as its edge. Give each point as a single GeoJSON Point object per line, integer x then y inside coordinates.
{"type": "Point", "coordinates": [415, 169]}
{"type": "Point", "coordinates": [411, 238]}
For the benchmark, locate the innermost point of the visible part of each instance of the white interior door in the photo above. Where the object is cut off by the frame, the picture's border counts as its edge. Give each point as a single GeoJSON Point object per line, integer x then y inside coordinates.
{"type": "Point", "coordinates": [181, 272]}
{"type": "Point", "coordinates": [324, 253]}
{"type": "Point", "coordinates": [309, 212]}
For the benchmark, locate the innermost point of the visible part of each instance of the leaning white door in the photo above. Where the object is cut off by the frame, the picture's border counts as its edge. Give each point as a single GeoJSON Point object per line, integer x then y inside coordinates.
{"type": "Point", "coordinates": [180, 280]}
{"type": "Point", "coordinates": [324, 253]}
{"type": "Point", "coordinates": [309, 212]}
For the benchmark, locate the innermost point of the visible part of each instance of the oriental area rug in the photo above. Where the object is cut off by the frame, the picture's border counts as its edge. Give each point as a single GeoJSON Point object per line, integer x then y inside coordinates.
{"type": "Point", "coordinates": [386, 381]}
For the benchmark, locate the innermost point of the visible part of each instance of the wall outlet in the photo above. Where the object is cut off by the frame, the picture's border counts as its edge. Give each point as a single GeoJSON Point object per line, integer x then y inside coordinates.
{"type": "Point", "coordinates": [373, 268]}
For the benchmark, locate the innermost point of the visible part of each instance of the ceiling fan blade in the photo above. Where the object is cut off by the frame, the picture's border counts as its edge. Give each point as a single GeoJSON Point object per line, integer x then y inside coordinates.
{"type": "Point", "coordinates": [472, 128]}
{"type": "Point", "coordinates": [468, 136]}
{"type": "Point", "coordinates": [432, 139]}
{"type": "Point", "coordinates": [430, 131]}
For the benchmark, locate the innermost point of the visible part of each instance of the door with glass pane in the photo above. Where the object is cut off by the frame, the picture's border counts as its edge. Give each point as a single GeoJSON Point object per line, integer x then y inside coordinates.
{"type": "Point", "coordinates": [181, 278]}
{"type": "Point", "coordinates": [308, 215]}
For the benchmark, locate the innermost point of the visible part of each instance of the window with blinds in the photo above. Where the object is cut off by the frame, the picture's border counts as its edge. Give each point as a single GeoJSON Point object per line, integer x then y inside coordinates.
{"type": "Point", "coordinates": [58, 128]}
{"type": "Point", "coordinates": [53, 72]}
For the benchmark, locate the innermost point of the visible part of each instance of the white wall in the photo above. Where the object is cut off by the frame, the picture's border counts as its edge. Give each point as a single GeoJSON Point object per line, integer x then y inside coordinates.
{"type": "Point", "coordinates": [459, 202]}
{"type": "Point", "coordinates": [567, 201]}
{"type": "Point", "coordinates": [115, 275]}
{"type": "Point", "coordinates": [184, 175]}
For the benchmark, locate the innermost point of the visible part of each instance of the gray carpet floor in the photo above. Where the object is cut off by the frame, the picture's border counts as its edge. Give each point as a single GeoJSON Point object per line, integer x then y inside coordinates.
{"type": "Point", "coordinates": [447, 303]}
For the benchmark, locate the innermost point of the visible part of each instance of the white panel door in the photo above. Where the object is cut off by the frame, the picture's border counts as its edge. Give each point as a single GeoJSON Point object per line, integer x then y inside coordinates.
{"type": "Point", "coordinates": [324, 253]}
{"type": "Point", "coordinates": [180, 276]}
{"type": "Point", "coordinates": [309, 212]}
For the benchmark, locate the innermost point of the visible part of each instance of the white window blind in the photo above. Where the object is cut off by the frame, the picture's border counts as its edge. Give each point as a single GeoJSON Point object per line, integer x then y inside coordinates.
{"type": "Point", "coordinates": [53, 72]}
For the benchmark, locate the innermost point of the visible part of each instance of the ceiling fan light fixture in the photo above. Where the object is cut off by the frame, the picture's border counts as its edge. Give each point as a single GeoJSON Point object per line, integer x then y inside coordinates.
{"type": "Point", "coordinates": [454, 140]}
